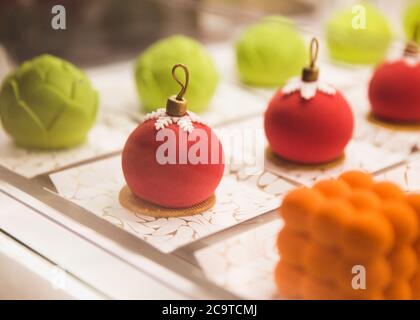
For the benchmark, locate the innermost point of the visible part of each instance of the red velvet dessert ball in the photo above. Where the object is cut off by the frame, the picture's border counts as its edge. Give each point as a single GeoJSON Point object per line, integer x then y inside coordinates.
{"type": "Point", "coordinates": [308, 123]}
{"type": "Point", "coordinates": [394, 91]}
{"type": "Point", "coordinates": [182, 182]}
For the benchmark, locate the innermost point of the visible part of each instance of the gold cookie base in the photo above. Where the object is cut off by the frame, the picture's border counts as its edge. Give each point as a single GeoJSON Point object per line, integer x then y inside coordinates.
{"type": "Point", "coordinates": [279, 161]}
{"type": "Point", "coordinates": [132, 203]}
{"type": "Point", "coordinates": [397, 126]}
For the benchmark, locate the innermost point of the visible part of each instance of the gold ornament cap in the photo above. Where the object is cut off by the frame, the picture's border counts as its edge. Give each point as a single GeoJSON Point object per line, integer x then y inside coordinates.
{"type": "Point", "coordinates": [412, 48]}
{"type": "Point", "coordinates": [311, 73]}
{"type": "Point", "coordinates": [176, 105]}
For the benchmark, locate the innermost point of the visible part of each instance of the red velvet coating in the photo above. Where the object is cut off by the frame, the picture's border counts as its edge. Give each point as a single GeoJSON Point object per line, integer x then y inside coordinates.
{"type": "Point", "coordinates": [308, 131]}
{"type": "Point", "coordinates": [394, 92]}
{"type": "Point", "coordinates": [169, 185]}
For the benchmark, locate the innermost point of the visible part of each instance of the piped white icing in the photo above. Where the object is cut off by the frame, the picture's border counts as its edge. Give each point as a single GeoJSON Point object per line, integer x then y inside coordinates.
{"type": "Point", "coordinates": [411, 61]}
{"type": "Point", "coordinates": [408, 60]}
{"type": "Point", "coordinates": [307, 89]}
{"type": "Point", "coordinates": [163, 120]}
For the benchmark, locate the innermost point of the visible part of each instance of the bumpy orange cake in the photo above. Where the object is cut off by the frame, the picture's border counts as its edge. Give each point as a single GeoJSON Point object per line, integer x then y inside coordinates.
{"type": "Point", "coordinates": [349, 238]}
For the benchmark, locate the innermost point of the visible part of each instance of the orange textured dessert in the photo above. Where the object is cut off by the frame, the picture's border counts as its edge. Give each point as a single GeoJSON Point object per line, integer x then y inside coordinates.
{"type": "Point", "coordinates": [342, 225]}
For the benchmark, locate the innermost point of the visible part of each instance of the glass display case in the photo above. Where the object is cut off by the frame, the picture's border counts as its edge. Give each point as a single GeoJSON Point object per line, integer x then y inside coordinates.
{"type": "Point", "coordinates": [65, 202]}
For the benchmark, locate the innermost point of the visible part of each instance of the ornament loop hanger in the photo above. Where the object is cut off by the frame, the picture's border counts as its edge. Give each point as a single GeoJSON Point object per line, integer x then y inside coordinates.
{"type": "Point", "coordinates": [184, 86]}
{"type": "Point", "coordinates": [176, 106]}
{"type": "Point", "coordinates": [310, 74]}
{"type": "Point", "coordinates": [313, 52]}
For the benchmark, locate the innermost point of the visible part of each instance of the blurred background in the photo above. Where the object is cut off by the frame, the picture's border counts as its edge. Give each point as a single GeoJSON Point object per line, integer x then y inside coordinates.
{"type": "Point", "coordinates": [104, 30]}
{"type": "Point", "coordinates": [100, 31]}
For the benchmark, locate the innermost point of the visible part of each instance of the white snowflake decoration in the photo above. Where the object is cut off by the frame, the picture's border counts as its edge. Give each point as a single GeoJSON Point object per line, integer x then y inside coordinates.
{"type": "Point", "coordinates": [408, 60]}
{"type": "Point", "coordinates": [307, 89]}
{"type": "Point", "coordinates": [163, 120]}
{"type": "Point", "coordinates": [411, 61]}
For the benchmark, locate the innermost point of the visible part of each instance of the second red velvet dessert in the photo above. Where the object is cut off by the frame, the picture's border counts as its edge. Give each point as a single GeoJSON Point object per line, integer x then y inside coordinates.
{"type": "Point", "coordinates": [308, 121]}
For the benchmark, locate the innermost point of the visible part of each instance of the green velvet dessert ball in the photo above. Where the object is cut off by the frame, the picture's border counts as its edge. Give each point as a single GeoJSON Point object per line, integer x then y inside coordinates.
{"type": "Point", "coordinates": [349, 42]}
{"type": "Point", "coordinates": [270, 52]}
{"type": "Point", "coordinates": [412, 20]}
{"type": "Point", "coordinates": [154, 79]}
{"type": "Point", "coordinates": [47, 103]}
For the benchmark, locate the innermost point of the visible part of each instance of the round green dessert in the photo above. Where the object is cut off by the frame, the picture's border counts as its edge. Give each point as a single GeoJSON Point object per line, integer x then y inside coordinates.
{"type": "Point", "coordinates": [47, 103]}
{"type": "Point", "coordinates": [360, 34]}
{"type": "Point", "coordinates": [270, 52]}
{"type": "Point", "coordinates": [154, 80]}
{"type": "Point", "coordinates": [412, 21]}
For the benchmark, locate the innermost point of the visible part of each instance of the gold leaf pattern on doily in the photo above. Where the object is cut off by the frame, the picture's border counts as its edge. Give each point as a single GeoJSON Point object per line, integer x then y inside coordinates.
{"type": "Point", "coordinates": [407, 175]}
{"type": "Point", "coordinates": [358, 156]}
{"type": "Point", "coordinates": [393, 140]}
{"type": "Point", "coordinates": [236, 201]}
{"type": "Point", "coordinates": [244, 263]}
{"type": "Point", "coordinates": [104, 138]}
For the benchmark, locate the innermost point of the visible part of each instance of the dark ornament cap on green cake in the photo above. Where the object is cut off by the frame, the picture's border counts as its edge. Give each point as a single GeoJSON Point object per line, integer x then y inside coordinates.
{"type": "Point", "coordinates": [47, 103]}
